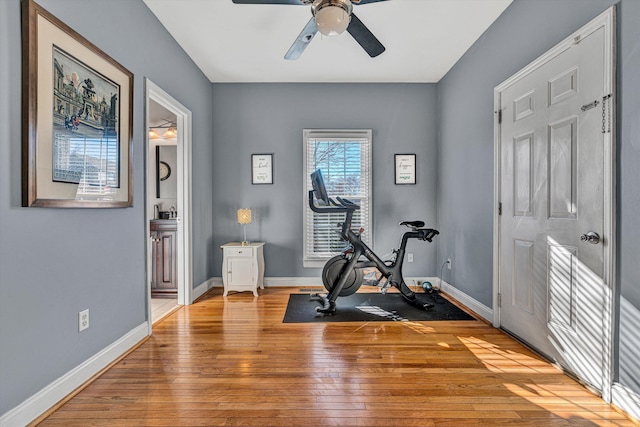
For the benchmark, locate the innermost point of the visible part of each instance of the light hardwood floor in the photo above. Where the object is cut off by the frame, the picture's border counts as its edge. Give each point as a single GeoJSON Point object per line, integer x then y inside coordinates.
{"type": "Point", "coordinates": [232, 362]}
{"type": "Point", "coordinates": [161, 307]}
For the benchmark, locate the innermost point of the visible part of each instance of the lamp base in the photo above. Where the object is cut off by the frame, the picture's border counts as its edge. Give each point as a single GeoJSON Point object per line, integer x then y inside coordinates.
{"type": "Point", "coordinates": [245, 242]}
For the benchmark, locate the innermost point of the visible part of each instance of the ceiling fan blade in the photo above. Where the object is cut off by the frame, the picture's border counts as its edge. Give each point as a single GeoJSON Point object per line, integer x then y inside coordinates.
{"type": "Point", "coordinates": [364, 37]}
{"type": "Point", "coordinates": [365, 1]}
{"type": "Point", "coordinates": [302, 41]}
{"type": "Point", "coordinates": [295, 2]}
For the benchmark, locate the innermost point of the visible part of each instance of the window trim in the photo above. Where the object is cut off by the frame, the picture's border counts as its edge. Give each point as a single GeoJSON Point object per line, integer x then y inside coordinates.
{"type": "Point", "coordinates": [337, 134]}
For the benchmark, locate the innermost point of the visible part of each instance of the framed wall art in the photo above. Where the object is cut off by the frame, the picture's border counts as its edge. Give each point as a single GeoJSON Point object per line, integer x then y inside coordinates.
{"type": "Point", "coordinates": [262, 168]}
{"type": "Point", "coordinates": [405, 167]}
{"type": "Point", "coordinates": [77, 107]}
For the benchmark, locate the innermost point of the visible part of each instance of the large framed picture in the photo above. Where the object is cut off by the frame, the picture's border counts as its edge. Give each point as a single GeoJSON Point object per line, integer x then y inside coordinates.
{"type": "Point", "coordinates": [405, 169]}
{"type": "Point", "coordinates": [262, 168]}
{"type": "Point", "coordinates": [77, 107]}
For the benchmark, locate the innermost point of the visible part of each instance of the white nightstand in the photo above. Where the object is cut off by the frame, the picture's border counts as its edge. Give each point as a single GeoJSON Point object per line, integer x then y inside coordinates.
{"type": "Point", "coordinates": [242, 267]}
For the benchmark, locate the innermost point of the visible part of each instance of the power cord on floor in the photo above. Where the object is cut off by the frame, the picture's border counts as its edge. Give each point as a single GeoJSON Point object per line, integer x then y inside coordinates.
{"type": "Point", "coordinates": [437, 298]}
{"type": "Point", "coordinates": [434, 291]}
{"type": "Point", "coordinates": [442, 267]}
{"type": "Point", "coordinates": [417, 284]}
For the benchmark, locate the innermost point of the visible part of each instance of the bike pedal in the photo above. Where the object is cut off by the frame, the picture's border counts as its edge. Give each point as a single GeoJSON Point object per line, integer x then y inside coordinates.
{"type": "Point", "coordinates": [428, 306]}
{"type": "Point", "coordinates": [328, 310]}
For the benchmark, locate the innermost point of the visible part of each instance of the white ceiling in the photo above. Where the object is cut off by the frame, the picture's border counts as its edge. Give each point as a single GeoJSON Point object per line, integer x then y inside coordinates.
{"type": "Point", "coordinates": [158, 115]}
{"type": "Point", "coordinates": [246, 43]}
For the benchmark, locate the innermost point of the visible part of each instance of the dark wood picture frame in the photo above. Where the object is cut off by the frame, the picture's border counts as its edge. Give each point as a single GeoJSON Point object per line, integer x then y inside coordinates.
{"type": "Point", "coordinates": [262, 169]}
{"type": "Point", "coordinates": [77, 110]}
{"type": "Point", "coordinates": [405, 169]}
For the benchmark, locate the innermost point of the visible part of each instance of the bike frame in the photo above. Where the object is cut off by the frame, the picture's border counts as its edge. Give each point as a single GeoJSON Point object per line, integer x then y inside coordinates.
{"type": "Point", "coordinates": [393, 272]}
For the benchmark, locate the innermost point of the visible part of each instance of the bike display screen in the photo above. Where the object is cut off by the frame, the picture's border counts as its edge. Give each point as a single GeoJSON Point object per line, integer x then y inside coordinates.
{"type": "Point", "coordinates": [319, 189]}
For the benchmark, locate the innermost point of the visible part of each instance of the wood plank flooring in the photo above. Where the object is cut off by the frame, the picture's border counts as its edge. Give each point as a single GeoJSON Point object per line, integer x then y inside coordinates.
{"type": "Point", "coordinates": [232, 362]}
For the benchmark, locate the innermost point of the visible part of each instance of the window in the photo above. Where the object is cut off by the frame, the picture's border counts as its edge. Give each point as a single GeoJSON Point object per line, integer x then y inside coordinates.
{"type": "Point", "coordinates": [345, 160]}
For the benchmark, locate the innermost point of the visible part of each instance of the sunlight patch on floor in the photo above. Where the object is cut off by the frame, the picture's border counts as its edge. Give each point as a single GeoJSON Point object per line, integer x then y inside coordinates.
{"type": "Point", "coordinates": [571, 408]}
{"type": "Point", "coordinates": [497, 360]}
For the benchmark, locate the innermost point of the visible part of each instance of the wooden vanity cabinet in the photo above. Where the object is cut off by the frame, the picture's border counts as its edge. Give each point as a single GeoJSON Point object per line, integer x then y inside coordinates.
{"type": "Point", "coordinates": [163, 257]}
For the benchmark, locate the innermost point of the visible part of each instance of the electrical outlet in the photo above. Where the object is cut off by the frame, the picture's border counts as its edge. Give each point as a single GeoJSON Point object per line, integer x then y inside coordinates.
{"type": "Point", "coordinates": [83, 320]}
{"type": "Point", "coordinates": [409, 257]}
{"type": "Point", "coordinates": [449, 263]}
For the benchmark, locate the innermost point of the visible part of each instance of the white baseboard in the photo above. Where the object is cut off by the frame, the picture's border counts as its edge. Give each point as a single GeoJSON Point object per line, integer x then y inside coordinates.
{"type": "Point", "coordinates": [202, 288]}
{"type": "Point", "coordinates": [292, 282]}
{"type": "Point", "coordinates": [626, 399]}
{"type": "Point", "coordinates": [288, 282]}
{"type": "Point", "coordinates": [485, 312]}
{"type": "Point", "coordinates": [43, 400]}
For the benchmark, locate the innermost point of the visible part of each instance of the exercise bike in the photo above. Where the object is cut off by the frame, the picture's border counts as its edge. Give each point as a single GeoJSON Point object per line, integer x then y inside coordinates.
{"type": "Point", "coordinates": [343, 274]}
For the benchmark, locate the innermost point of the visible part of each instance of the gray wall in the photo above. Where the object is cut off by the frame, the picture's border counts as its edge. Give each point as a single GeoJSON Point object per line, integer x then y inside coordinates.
{"type": "Point", "coordinates": [628, 208]}
{"type": "Point", "coordinates": [57, 262]}
{"type": "Point", "coordinates": [269, 118]}
{"type": "Point", "coordinates": [465, 194]}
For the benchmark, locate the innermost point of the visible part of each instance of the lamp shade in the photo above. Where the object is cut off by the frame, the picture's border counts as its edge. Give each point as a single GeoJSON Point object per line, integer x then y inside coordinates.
{"type": "Point", "coordinates": [332, 20]}
{"type": "Point", "coordinates": [170, 133]}
{"type": "Point", "coordinates": [244, 216]}
{"type": "Point", "coordinates": [153, 134]}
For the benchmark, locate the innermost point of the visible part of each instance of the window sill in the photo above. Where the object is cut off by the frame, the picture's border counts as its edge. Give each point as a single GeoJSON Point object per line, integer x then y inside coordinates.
{"type": "Point", "coordinates": [314, 263]}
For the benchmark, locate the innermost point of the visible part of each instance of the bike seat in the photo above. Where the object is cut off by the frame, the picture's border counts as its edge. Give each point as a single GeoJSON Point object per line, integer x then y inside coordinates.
{"type": "Point", "coordinates": [413, 224]}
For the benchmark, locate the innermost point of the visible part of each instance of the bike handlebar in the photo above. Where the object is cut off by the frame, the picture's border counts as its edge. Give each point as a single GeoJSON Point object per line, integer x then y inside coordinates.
{"type": "Point", "coordinates": [342, 206]}
{"type": "Point", "coordinates": [347, 206]}
{"type": "Point", "coordinates": [427, 234]}
{"type": "Point", "coordinates": [347, 203]}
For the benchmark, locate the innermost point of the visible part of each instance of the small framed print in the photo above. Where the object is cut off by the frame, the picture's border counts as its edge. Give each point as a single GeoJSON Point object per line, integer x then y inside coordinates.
{"type": "Point", "coordinates": [262, 168]}
{"type": "Point", "coordinates": [405, 169]}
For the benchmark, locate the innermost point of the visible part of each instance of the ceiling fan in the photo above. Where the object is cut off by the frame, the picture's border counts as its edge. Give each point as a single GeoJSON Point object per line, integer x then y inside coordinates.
{"type": "Point", "coordinates": [330, 17]}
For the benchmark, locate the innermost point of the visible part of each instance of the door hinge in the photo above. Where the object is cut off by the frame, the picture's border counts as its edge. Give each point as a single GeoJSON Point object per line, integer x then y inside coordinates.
{"type": "Point", "coordinates": [499, 208]}
{"type": "Point", "coordinates": [499, 116]}
{"type": "Point", "coordinates": [499, 300]}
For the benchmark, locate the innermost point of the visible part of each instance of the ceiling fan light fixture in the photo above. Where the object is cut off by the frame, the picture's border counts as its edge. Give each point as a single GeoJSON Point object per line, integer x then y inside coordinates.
{"type": "Point", "coordinates": [332, 17]}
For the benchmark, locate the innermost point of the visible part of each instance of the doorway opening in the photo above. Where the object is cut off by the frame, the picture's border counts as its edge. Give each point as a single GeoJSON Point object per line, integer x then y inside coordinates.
{"type": "Point", "coordinates": [168, 203]}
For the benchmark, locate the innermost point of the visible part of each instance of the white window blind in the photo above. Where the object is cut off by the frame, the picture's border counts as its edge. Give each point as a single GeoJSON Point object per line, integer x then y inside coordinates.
{"type": "Point", "coordinates": [344, 157]}
{"type": "Point", "coordinates": [92, 163]}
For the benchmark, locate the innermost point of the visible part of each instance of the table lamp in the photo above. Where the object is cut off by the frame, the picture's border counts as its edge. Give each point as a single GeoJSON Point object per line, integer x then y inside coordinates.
{"type": "Point", "coordinates": [244, 218]}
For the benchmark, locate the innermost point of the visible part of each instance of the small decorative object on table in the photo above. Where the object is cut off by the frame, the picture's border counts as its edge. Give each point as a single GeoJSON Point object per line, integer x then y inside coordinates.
{"type": "Point", "coordinates": [244, 218]}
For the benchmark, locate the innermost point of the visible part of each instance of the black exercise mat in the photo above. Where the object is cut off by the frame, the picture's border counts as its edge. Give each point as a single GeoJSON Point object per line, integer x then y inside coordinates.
{"type": "Point", "coordinates": [372, 307]}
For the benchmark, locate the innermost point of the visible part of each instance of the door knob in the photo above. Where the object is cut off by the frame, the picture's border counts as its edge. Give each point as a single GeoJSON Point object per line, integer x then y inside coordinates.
{"type": "Point", "coordinates": [591, 237]}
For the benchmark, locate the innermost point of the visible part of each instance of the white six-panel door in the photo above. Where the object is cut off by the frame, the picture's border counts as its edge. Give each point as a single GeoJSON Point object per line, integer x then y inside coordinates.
{"type": "Point", "coordinates": [554, 233]}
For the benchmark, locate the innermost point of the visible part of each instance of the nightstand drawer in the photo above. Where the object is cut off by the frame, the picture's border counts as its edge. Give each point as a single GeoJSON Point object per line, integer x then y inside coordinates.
{"type": "Point", "coordinates": [243, 251]}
